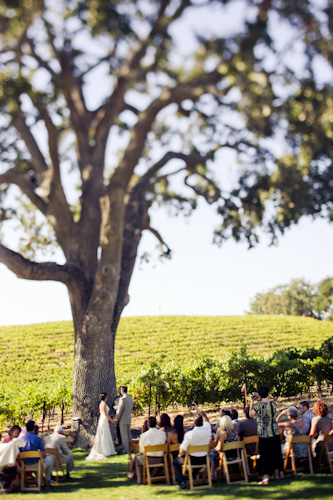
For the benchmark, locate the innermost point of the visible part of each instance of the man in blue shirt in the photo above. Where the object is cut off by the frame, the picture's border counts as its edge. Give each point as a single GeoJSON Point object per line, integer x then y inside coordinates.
{"type": "Point", "coordinates": [35, 443]}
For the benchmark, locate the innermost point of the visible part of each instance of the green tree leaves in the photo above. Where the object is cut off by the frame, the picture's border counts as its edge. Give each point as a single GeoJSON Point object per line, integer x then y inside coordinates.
{"type": "Point", "coordinates": [296, 298]}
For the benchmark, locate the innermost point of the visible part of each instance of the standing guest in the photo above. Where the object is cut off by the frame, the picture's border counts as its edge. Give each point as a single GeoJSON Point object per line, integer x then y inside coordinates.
{"type": "Point", "coordinates": [58, 440]}
{"type": "Point", "coordinates": [35, 443]}
{"type": "Point", "coordinates": [115, 406]}
{"type": "Point", "coordinates": [198, 436]}
{"type": "Point", "coordinates": [320, 426]}
{"type": "Point", "coordinates": [307, 415]}
{"type": "Point", "coordinates": [124, 416]}
{"type": "Point", "coordinates": [235, 421]}
{"type": "Point", "coordinates": [152, 437]}
{"type": "Point", "coordinates": [268, 433]}
{"type": "Point", "coordinates": [293, 427]}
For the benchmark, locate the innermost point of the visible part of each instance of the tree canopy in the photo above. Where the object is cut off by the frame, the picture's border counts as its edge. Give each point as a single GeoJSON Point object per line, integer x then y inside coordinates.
{"type": "Point", "coordinates": [107, 110]}
{"type": "Point", "coordinates": [296, 298]}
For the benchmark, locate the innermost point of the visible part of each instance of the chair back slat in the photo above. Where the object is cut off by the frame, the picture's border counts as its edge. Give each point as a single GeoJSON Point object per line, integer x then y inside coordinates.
{"type": "Point", "coordinates": [156, 447]}
{"type": "Point", "coordinates": [196, 449]}
{"type": "Point", "coordinates": [234, 445]}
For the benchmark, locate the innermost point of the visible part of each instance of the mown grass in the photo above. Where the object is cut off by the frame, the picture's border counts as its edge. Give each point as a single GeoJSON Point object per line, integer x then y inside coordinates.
{"type": "Point", "coordinates": [106, 480]}
{"type": "Point", "coordinates": [44, 350]}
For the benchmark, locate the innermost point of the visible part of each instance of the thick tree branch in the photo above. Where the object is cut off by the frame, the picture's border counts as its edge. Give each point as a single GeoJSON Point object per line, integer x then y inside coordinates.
{"type": "Point", "coordinates": [110, 110]}
{"type": "Point", "coordinates": [38, 159]}
{"type": "Point", "coordinates": [27, 185]}
{"type": "Point", "coordinates": [26, 269]}
{"type": "Point", "coordinates": [191, 90]}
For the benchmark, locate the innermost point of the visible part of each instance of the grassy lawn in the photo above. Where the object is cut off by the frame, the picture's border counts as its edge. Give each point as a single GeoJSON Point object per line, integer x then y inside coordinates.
{"type": "Point", "coordinates": [106, 480]}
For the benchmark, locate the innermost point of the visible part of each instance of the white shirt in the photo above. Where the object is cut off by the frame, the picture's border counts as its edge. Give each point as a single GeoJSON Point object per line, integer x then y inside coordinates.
{"type": "Point", "coordinates": [150, 438]}
{"type": "Point", "coordinates": [198, 436]}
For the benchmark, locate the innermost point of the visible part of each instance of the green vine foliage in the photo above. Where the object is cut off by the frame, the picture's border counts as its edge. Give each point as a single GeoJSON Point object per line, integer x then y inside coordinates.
{"type": "Point", "coordinates": [288, 372]}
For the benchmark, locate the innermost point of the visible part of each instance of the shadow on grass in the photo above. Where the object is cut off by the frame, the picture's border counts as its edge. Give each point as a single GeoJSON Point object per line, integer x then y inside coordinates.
{"type": "Point", "coordinates": [302, 487]}
{"type": "Point", "coordinates": [111, 473]}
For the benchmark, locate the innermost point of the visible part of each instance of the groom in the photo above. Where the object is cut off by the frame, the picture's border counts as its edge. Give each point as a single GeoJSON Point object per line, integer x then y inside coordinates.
{"type": "Point", "coordinates": [123, 417]}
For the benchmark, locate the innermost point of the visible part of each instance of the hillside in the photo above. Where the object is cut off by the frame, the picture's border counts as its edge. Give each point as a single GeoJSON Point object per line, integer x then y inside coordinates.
{"type": "Point", "coordinates": [42, 351]}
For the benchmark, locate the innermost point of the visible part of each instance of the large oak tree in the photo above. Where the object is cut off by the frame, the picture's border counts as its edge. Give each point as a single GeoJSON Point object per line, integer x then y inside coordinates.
{"type": "Point", "coordinates": [106, 112]}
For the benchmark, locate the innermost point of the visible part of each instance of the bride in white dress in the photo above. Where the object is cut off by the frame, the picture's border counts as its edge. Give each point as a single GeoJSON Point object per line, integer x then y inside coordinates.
{"type": "Point", "coordinates": [103, 444]}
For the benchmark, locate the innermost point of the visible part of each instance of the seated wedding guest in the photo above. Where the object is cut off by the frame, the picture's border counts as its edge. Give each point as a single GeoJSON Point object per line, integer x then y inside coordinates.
{"type": "Point", "coordinates": [235, 420]}
{"type": "Point", "coordinates": [152, 437]}
{"type": "Point", "coordinates": [9, 472]}
{"type": "Point", "coordinates": [248, 427]}
{"type": "Point", "coordinates": [177, 434]}
{"type": "Point", "coordinates": [320, 426]}
{"type": "Point", "coordinates": [23, 432]}
{"type": "Point", "coordinates": [307, 415]}
{"type": "Point", "coordinates": [145, 426]}
{"type": "Point", "coordinates": [13, 433]}
{"type": "Point", "coordinates": [58, 440]}
{"type": "Point", "coordinates": [225, 434]}
{"type": "Point", "coordinates": [198, 436]}
{"type": "Point", "coordinates": [293, 427]}
{"type": "Point", "coordinates": [35, 443]}
{"type": "Point", "coordinates": [36, 430]}
{"type": "Point", "coordinates": [224, 411]}
{"type": "Point", "coordinates": [165, 423]}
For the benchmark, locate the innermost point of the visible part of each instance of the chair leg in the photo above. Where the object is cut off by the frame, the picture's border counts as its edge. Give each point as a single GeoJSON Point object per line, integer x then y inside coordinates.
{"type": "Point", "coordinates": [310, 459]}
{"type": "Point", "coordinates": [293, 463]}
{"type": "Point", "coordinates": [190, 474]}
{"type": "Point", "coordinates": [225, 467]}
{"type": "Point", "coordinates": [172, 470]}
{"type": "Point", "coordinates": [244, 463]}
{"type": "Point", "coordinates": [166, 469]}
{"type": "Point", "coordinates": [329, 459]}
{"type": "Point", "coordinates": [209, 476]}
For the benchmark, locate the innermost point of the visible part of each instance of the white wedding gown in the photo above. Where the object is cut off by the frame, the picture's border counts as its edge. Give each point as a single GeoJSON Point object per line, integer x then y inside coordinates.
{"type": "Point", "coordinates": [103, 444]}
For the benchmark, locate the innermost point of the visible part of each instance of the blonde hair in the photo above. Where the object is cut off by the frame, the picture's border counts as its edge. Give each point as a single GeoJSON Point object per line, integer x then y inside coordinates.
{"type": "Point", "coordinates": [226, 424]}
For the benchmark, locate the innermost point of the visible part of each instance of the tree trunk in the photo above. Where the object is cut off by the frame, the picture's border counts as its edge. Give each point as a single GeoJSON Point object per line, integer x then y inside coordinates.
{"type": "Point", "coordinates": [93, 370]}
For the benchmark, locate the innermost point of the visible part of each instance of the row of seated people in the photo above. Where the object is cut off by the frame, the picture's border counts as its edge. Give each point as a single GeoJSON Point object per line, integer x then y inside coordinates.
{"type": "Point", "coordinates": [230, 428]}
{"type": "Point", "coordinates": [31, 441]}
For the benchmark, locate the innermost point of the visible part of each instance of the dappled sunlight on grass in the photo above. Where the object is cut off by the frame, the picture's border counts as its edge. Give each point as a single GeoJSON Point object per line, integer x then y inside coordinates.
{"type": "Point", "coordinates": [105, 479]}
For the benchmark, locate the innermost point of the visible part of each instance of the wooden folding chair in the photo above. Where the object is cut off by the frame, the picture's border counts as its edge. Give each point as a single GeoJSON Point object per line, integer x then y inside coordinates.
{"type": "Point", "coordinates": [290, 454]}
{"type": "Point", "coordinates": [326, 452]}
{"type": "Point", "coordinates": [147, 466]}
{"type": "Point", "coordinates": [32, 472]}
{"type": "Point", "coordinates": [252, 458]}
{"type": "Point", "coordinates": [132, 445]}
{"type": "Point", "coordinates": [58, 463]}
{"type": "Point", "coordinates": [172, 448]}
{"type": "Point", "coordinates": [188, 466]}
{"type": "Point", "coordinates": [240, 460]}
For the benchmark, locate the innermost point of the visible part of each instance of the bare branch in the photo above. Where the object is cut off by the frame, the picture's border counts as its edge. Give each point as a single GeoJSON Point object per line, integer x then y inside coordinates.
{"type": "Point", "coordinates": [37, 157]}
{"type": "Point", "coordinates": [27, 185]}
{"type": "Point", "coordinates": [190, 90]}
{"type": "Point", "coordinates": [148, 227]}
{"type": "Point", "coordinates": [26, 269]}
